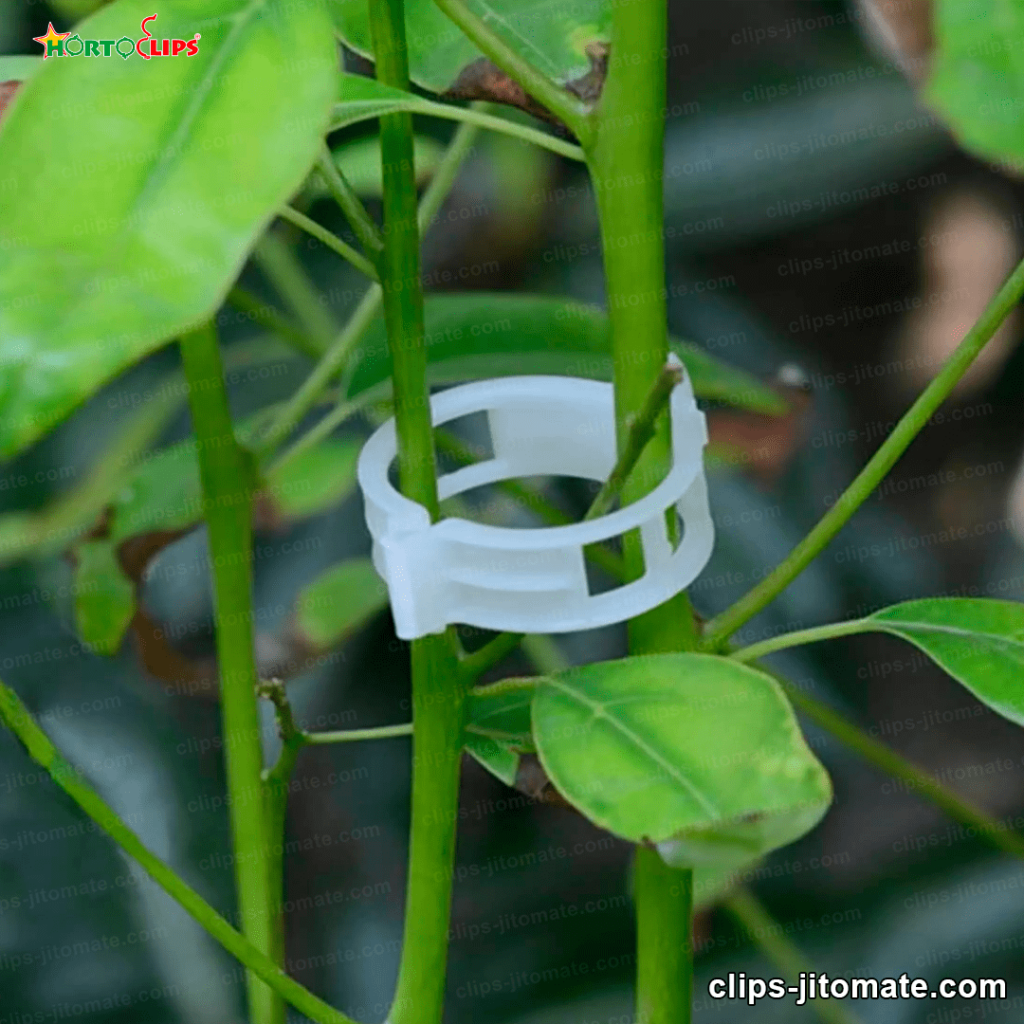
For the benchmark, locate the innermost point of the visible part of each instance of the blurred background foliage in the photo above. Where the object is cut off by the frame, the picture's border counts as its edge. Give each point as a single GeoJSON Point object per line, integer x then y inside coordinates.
{"type": "Point", "coordinates": [824, 231]}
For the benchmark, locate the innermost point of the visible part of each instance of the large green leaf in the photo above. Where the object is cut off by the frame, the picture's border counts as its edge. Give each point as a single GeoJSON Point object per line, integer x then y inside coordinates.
{"type": "Point", "coordinates": [135, 188]}
{"type": "Point", "coordinates": [338, 602]}
{"type": "Point", "coordinates": [980, 643]}
{"type": "Point", "coordinates": [18, 68]}
{"type": "Point", "coordinates": [104, 597]}
{"type": "Point", "coordinates": [551, 34]}
{"type": "Point", "coordinates": [977, 78]}
{"type": "Point", "coordinates": [485, 334]}
{"type": "Point", "coordinates": [693, 751]}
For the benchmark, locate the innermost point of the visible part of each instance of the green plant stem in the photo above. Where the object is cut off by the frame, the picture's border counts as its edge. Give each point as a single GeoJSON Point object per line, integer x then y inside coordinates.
{"type": "Point", "coordinates": [381, 732]}
{"type": "Point", "coordinates": [564, 105]}
{"type": "Point", "coordinates": [545, 653]}
{"type": "Point", "coordinates": [447, 171]}
{"type": "Point", "coordinates": [641, 432]}
{"type": "Point", "coordinates": [664, 907]}
{"type": "Point", "coordinates": [266, 316]}
{"type": "Point", "coordinates": [438, 691]}
{"type": "Point", "coordinates": [476, 664]}
{"type": "Point", "coordinates": [289, 417]}
{"type": "Point", "coordinates": [16, 717]}
{"type": "Point", "coordinates": [336, 353]}
{"type": "Point", "coordinates": [803, 636]}
{"type": "Point", "coordinates": [910, 425]}
{"type": "Point", "coordinates": [917, 780]}
{"type": "Point", "coordinates": [476, 116]}
{"type": "Point", "coordinates": [351, 205]}
{"type": "Point", "coordinates": [766, 933]}
{"type": "Point", "coordinates": [626, 160]}
{"type": "Point", "coordinates": [330, 239]}
{"type": "Point", "coordinates": [284, 270]}
{"type": "Point", "coordinates": [227, 478]}
{"type": "Point", "coordinates": [322, 428]}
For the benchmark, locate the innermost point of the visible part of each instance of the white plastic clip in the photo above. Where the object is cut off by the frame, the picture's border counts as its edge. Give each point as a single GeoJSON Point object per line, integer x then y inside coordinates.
{"type": "Point", "coordinates": [534, 580]}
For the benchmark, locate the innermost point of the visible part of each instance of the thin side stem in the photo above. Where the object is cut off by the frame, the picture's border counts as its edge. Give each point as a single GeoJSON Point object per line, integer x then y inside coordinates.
{"type": "Point", "coordinates": [382, 732]}
{"type": "Point", "coordinates": [476, 664]}
{"type": "Point", "coordinates": [641, 432]}
{"type": "Point", "coordinates": [266, 316]}
{"type": "Point", "coordinates": [351, 205]}
{"type": "Point", "coordinates": [564, 105]}
{"type": "Point", "coordinates": [289, 417]}
{"type": "Point", "coordinates": [17, 718]}
{"type": "Point", "coordinates": [769, 937]}
{"type": "Point", "coordinates": [803, 636]}
{"type": "Point", "coordinates": [913, 422]}
{"type": "Point", "coordinates": [545, 654]}
{"type": "Point", "coordinates": [337, 353]}
{"type": "Point", "coordinates": [227, 478]}
{"type": "Point", "coordinates": [285, 272]}
{"type": "Point", "coordinates": [447, 171]}
{"type": "Point", "coordinates": [322, 428]}
{"type": "Point", "coordinates": [664, 907]}
{"type": "Point", "coordinates": [438, 691]}
{"type": "Point", "coordinates": [474, 115]}
{"type": "Point", "coordinates": [330, 239]}
{"type": "Point", "coordinates": [917, 780]}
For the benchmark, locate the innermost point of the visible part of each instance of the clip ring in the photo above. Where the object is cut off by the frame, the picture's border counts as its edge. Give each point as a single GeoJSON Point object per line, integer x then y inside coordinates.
{"type": "Point", "coordinates": [534, 580]}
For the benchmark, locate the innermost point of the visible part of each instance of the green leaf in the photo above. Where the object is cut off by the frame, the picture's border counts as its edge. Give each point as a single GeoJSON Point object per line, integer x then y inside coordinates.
{"type": "Point", "coordinates": [164, 494]}
{"type": "Point", "coordinates": [689, 750]}
{"type": "Point", "coordinates": [104, 597]}
{"type": "Point", "coordinates": [980, 643]}
{"type": "Point", "coordinates": [494, 334]}
{"type": "Point", "coordinates": [499, 758]}
{"type": "Point", "coordinates": [977, 76]}
{"type": "Point", "coordinates": [135, 188]}
{"type": "Point", "coordinates": [551, 34]}
{"type": "Point", "coordinates": [498, 726]}
{"type": "Point", "coordinates": [338, 602]}
{"type": "Point", "coordinates": [315, 480]}
{"type": "Point", "coordinates": [18, 68]}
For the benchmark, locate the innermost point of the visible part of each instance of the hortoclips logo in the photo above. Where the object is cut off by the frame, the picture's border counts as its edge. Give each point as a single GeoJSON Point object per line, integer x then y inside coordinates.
{"type": "Point", "coordinates": [147, 46]}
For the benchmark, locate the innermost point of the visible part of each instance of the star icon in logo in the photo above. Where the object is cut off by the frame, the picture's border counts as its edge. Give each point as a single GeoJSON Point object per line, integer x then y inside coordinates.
{"type": "Point", "coordinates": [51, 39]}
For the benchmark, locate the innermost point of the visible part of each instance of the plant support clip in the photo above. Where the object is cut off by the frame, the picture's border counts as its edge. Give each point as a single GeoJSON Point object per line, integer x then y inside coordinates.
{"type": "Point", "coordinates": [534, 580]}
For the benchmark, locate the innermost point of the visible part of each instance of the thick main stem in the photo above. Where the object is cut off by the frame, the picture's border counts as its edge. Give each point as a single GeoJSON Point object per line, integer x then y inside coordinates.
{"type": "Point", "coordinates": [626, 160]}
{"type": "Point", "coordinates": [227, 480]}
{"type": "Point", "coordinates": [438, 689]}
{"type": "Point", "coordinates": [664, 968]}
